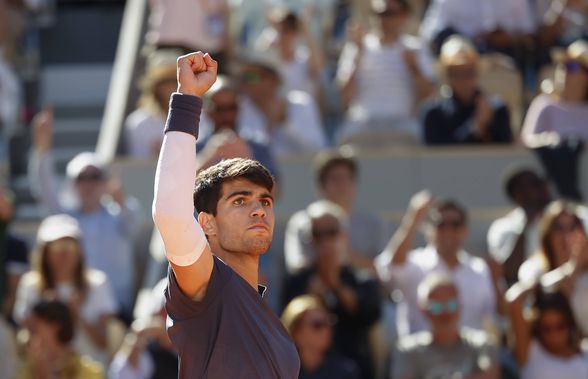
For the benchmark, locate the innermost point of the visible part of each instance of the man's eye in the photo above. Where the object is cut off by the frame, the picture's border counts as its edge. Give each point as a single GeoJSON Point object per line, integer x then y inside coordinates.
{"type": "Point", "coordinates": [239, 202]}
{"type": "Point", "coordinates": [266, 203]}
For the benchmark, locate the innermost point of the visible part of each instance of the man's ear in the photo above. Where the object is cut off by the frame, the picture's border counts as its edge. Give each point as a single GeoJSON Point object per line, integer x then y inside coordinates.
{"type": "Point", "coordinates": [208, 223]}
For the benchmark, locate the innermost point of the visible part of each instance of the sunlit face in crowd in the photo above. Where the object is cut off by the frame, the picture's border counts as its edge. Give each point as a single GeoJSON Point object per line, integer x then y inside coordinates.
{"type": "Point", "coordinates": [244, 222]}
{"type": "Point", "coordinates": [63, 257]}
{"type": "Point", "coordinates": [314, 331]}
{"type": "Point", "coordinates": [339, 185]}
{"type": "Point", "coordinates": [90, 186]}
{"type": "Point", "coordinates": [564, 232]}
{"type": "Point", "coordinates": [327, 240]}
{"type": "Point", "coordinates": [572, 76]}
{"type": "Point", "coordinates": [223, 110]}
{"type": "Point", "coordinates": [449, 232]}
{"type": "Point", "coordinates": [554, 331]}
{"type": "Point", "coordinates": [463, 80]}
{"type": "Point", "coordinates": [442, 308]}
{"type": "Point", "coordinates": [392, 19]}
{"type": "Point", "coordinates": [258, 82]}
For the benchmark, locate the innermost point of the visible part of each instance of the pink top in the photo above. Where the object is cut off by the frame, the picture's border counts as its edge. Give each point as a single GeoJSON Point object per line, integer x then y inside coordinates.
{"type": "Point", "coordinates": [547, 114]}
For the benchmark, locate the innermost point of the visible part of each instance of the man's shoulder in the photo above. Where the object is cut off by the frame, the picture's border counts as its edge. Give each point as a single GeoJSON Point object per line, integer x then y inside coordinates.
{"type": "Point", "coordinates": [420, 341]}
{"type": "Point", "coordinates": [475, 339]}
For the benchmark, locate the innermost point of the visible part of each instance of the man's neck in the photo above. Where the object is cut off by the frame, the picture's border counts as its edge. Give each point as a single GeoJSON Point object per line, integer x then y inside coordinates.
{"type": "Point", "coordinates": [450, 260]}
{"type": "Point", "coordinates": [247, 266]}
{"type": "Point", "coordinates": [388, 38]}
{"type": "Point", "coordinates": [311, 359]}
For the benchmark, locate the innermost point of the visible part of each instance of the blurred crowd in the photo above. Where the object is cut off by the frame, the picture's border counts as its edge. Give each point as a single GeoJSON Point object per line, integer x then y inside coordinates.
{"type": "Point", "coordinates": [328, 78]}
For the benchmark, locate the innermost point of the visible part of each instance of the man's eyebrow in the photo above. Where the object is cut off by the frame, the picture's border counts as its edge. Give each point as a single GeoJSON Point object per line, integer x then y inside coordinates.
{"type": "Point", "coordinates": [239, 193]}
{"type": "Point", "coordinates": [267, 195]}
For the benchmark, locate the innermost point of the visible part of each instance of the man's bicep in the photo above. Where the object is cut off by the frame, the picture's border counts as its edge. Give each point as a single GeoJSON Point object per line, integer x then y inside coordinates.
{"type": "Point", "coordinates": [193, 279]}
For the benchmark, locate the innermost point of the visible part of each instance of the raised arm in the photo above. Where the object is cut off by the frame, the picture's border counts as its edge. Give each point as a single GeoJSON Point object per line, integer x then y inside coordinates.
{"type": "Point", "coordinates": [173, 209]}
{"type": "Point", "coordinates": [400, 244]}
{"type": "Point", "coordinates": [521, 330]}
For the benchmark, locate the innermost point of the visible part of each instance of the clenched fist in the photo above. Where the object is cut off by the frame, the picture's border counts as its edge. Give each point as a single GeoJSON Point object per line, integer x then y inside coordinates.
{"type": "Point", "coordinates": [196, 73]}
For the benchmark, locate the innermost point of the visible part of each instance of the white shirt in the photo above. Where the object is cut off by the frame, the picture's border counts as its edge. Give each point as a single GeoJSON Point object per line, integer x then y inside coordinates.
{"type": "Point", "coordinates": [121, 367]}
{"type": "Point", "coordinates": [143, 130]}
{"type": "Point", "coordinates": [472, 17]}
{"type": "Point", "coordinates": [99, 301]}
{"type": "Point", "coordinates": [472, 279]}
{"type": "Point", "coordinates": [197, 24]}
{"type": "Point", "coordinates": [10, 97]}
{"type": "Point", "coordinates": [505, 231]}
{"type": "Point", "coordinates": [542, 365]}
{"type": "Point", "coordinates": [301, 132]}
{"type": "Point", "coordinates": [385, 89]}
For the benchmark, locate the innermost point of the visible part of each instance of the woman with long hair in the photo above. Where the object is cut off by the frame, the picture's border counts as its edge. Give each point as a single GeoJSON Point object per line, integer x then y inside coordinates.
{"type": "Point", "coordinates": [59, 272]}
{"type": "Point", "coordinates": [547, 344]}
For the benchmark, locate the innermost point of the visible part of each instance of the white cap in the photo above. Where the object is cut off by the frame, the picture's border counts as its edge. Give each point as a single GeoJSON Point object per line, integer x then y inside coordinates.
{"type": "Point", "coordinates": [58, 226]}
{"type": "Point", "coordinates": [81, 161]}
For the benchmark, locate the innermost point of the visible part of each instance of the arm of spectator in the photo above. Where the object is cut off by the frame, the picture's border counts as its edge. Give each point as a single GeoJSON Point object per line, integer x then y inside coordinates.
{"type": "Point", "coordinates": [316, 60]}
{"type": "Point", "coordinates": [564, 276]}
{"type": "Point", "coordinates": [41, 170]}
{"type": "Point", "coordinates": [492, 123]}
{"type": "Point", "coordinates": [173, 208]}
{"type": "Point", "coordinates": [128, 209]}
{"type": "Point", "coordinates": [536, 131]}
{"type": "Point", "coordinates": [400, 244]}
{"type": "Point", "coordinates": [516, 296]}
{"type": "Point", "coordinates": [423, 84]}
{"type": "Point", "coordinates": [349, 63]}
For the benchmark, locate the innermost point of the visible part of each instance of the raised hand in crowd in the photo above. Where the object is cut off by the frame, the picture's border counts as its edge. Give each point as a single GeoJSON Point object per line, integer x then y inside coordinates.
{"type": "Point", "coordinates": [42, 128]}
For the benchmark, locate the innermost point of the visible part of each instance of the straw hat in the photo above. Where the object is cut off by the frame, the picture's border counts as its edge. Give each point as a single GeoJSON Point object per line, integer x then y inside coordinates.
{"type": "Point", "coordinates": [457, 51]}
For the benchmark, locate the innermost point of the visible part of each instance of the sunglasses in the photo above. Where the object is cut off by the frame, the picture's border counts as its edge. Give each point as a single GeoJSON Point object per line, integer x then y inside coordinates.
{"type": "Point", "coordinates": [554, 328]}
{"type": "Point", "coordinates": [319, 234]}
{"type": "Point", "coordinates": [437, 308]}
{"type": "Point", "coordinates": [90, 177]}
{"type": "Point", "coordinates": [449, 224]}
{"type": "Point", "coordinates": [573, 67]}
{"type": "Point", "coordinates": [251, 77]}
{"type": "Point", "coordinates": [461, 73]}
{"type": "Point", "coordinates": [67, 245]}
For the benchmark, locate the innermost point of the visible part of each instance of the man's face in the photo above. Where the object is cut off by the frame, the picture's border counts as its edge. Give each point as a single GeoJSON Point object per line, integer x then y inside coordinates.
{"type": "Point", "coordinates": [258, 83]}
{"type": "Point", "coordinates": [327, 240]}
{"type": "Point", "coordinates": [43, 334]}
{"type": "Point", "coordinates": [90, 186]}
{"type": "Point", "coordinates": [442, 308]}
{"type": "Point", "coordinates": [223, 110]}
{"type": "Point", "coordinates": [449, 233]}
{"type": "Point", "coordinates": [392, 19]}
{"type": "Point", "coordinates": [339, 185]}
{"type": "Point", "coordinates": [244, 222]}
{"type": "Point", "coordinates": [532, 192]}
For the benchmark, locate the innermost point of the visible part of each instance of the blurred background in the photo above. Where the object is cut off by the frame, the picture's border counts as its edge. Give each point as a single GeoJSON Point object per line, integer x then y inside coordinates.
{"type": "Point", "coordinates": [356, 107]}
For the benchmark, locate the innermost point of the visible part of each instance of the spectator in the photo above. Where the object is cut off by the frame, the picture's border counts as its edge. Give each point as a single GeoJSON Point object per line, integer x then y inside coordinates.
{"type": "Point", "coordinates": [308, 322]}
{"type": "Point", "coordinates": [558, 228]}
{"type": "Point", "coordinates": [10, 88]}
{"type": "Point", "coordinates": [144, 126]}
{"type": "Point", "coordinates": [221, 106]}
{"type": "Point", "coordinates": [555, 125]}
{"type": "Point", "coordinates": [109, 223]}
{"type": "Point", "coordinates": [336, 176]}
{"type": "Point", "coordinates": [289, 123]}
{"type": "Point", "coordinates": [448, 350]}
{"type": "Point", "coordinates": [188, 25]}
{"type": "Point", "coordinates": [14, 258]}
{"type": "Point", "coordinates": [351, 295]}
{"type": "Point", "coordinates": [147, 352]}
{"type": "Point", "coordinates": [499, 25]}
{"type": "Point", "coordinates": [464, 114]}
{"type": "Point", "coordinates": [548, 344]}
{"type": "Point", "coordinates": [561, 22]}
{"type": "Point", "coordinates": [289, 39]}
{"type": "Point", "coordinates": [60, 271]}
{"type": "Point", "coordinates": [515, 236]}
{"type": "Point", "coordinates": [382, 75]}
{"type": "Point", "coordinates": [49, 349]}
{"type": "Point", "coordinates": [400, 267]}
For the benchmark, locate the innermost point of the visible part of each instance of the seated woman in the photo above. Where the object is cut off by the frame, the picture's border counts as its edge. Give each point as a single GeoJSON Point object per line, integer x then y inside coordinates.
{"type": "Point", "coordinates": [59, 271]}
{"type": "Point", "coordinates": [549, 344]}
{"type": "Point", "coordinates": [555, 125]}
{"type": "Point", "coordinates": [49, 353]}
{"type": "Point", "coordinates": [310, 326]}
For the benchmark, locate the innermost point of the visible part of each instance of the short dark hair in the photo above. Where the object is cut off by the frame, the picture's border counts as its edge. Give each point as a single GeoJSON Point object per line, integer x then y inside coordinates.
{"type": "Point", "coordinates": [209, 182]}
{"type": "Point", "coordinates": [446, 205]}
{"type": "Point", "coordinates": [513, 177]}
{"type": "Point", "coordinates": [556, 301]}
{"type": "Point", "coordinates": [57, 313]}
{"type": "Point", "coordinates": [325, 161]}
